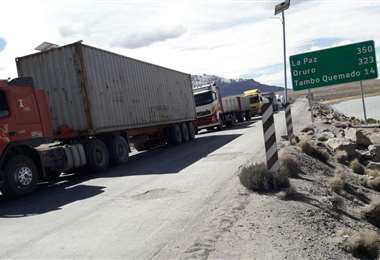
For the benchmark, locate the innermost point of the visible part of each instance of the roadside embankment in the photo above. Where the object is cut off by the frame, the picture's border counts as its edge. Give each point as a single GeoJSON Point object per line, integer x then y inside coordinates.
{"type": "Point", "coordinates": [332, 208]}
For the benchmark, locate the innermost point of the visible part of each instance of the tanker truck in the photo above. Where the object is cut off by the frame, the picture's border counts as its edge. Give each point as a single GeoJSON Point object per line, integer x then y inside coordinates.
{"type": "Point", "coordinates": [78, 108]}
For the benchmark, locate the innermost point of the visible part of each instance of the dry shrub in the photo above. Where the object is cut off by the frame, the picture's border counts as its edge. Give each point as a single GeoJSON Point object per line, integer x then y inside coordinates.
{"type": "Point", "coordinates": [357, 167]}
{"type": "Point", "coordinates": [363, 244]}
{"type": "Point", "coordinates": [337, 202]}
{"type": "Point", "coordinates": [257, 177]}
{"type": "Point", "coordinates": [337, 183]}
{"type": "Point", "coordinates": [280, 181]}
{"type": "Point", "coordinates": [371, 121]}
{"type": "Point", "coordinates": [342, 157]}
{"type": "Point", "coordinates": [313, 151]}
{"type": "Point", "coordinates": [372, 213]}
{"type": "Point", "coordinates": [289, 165]}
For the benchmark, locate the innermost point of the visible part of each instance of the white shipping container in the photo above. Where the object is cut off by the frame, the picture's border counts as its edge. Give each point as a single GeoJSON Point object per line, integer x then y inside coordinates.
{"type": "Point", "coordinates": [92, 90]}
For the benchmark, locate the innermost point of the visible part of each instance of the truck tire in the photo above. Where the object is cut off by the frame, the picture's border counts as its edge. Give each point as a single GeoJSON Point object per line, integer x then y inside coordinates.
{"type": "Point", "coordinates": [185, 133]}
{"type": "Point", "coordinates": [248, 116]}
{"type": "Point", "coordinates": [98, 157]}
{"type": "Point", "coordinates": [20, 176]}
{"type": "Point", "coordinates": [118, 149]}
{"type": "Point", "coordinates": [174, 135]}
{"type": "Point", "coordinates": [191, 128]}
{"type": "Point", "coordinates": [240, 117]}
{"type": "Point", "coordinates": [220, 126]}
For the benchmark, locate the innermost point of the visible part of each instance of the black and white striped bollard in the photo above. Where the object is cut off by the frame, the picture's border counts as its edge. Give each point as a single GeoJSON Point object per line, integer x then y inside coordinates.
{"type": "Point", "coordinates": [289, 122]}
{"type": "Point", "coordinates": [270, 137]}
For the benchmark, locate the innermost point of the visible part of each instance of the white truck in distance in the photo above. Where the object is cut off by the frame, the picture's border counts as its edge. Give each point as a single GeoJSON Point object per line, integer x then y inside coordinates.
{"type": "Point", "coordinates": [213, 111]}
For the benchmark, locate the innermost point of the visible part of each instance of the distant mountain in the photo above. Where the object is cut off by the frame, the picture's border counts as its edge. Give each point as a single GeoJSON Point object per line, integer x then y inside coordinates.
{"type": "Point", "coordinates": [229, 87]}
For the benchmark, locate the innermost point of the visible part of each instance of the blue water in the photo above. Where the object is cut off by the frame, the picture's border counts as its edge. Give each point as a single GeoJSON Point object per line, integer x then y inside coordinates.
{"type": "Point", "coordinates": [355, 108]}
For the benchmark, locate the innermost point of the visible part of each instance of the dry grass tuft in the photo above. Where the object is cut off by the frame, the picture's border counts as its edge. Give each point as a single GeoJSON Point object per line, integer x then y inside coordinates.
{"type": "Point", "coordinates": [357, 167]}
{"type": "Point", "coordinates": [372, 213]}
{"type": "Point", "coordinates": [313, 151]}
{"type": "Point", "coordinates": [342, 157]}
{"type": "Point", "coordinates": [337, 183]}
{"type": "Point", "coordinates": [363, 244]}
{"type": "Point", "coordinates": [289, 165]}
{"type": "Point", "coordinates": [257, 177]}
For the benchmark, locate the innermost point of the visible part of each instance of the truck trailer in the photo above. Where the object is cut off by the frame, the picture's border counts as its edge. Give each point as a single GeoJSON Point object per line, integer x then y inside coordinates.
{"type": "Point", "coordinates": [214, 111]}
{"type": "Point", "coordinates": [78, 107]}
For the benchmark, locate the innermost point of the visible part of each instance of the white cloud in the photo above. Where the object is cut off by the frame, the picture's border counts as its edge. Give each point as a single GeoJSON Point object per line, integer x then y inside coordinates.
{"type": "Point", "coordinates": [146, 38]}
{"type": "Point", "coordinates": [226, 37]}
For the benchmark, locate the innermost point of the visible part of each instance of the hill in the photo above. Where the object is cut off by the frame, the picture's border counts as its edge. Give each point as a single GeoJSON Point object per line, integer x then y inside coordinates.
{"type": "Point", "coordinates": [229, 87]}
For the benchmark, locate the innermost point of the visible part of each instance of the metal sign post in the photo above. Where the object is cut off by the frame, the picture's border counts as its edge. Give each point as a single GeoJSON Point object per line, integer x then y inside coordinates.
{"type": "Point", "coordinates": [310, 105]}
{"type": "Point", "coordinates": [364, 109]}
{"type": "Point", "coordinates": [280, 8]}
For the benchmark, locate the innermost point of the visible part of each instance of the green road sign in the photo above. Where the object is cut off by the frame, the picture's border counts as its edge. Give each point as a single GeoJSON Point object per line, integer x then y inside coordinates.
{"type": "Point", "coordinates": [349, 63]}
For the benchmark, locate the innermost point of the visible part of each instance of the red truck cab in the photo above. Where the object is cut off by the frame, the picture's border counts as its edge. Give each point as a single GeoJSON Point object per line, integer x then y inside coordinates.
{"type": "Point", "coordinates": [24, 122]}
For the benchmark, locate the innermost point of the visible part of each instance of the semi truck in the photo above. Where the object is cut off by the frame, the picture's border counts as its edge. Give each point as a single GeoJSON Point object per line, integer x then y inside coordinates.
{"type": "Point", "coordinates": [214, 111]}
{"type": "Point", "coordinates": [255, 100]}
{"type": "Point", "coordinates": [77, 107]}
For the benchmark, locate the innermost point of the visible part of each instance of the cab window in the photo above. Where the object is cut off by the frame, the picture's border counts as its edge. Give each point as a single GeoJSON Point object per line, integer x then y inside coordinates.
{"type": "Point", "coordinates": [4, 109]}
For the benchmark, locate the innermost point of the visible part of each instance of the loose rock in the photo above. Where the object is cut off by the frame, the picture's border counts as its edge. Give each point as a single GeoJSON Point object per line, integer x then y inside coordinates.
{"type": "Point", "coordinates": [343, 144]}
{"type": "Point", "coordinates": [359, 136]}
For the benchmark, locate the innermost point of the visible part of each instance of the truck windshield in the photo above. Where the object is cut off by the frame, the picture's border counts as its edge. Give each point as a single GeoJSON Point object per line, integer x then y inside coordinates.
{"type": "Point", "coordinates": [254, 99]}
{"type": "Point", "coordinates": [203, 98]}
{"type": "Point", "coordinates": [4, 110]}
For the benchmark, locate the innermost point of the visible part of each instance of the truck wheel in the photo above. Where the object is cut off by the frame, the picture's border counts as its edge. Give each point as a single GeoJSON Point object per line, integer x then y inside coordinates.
{"type": "Point", "coordinates": [185, 133]}
{"type": "Point", "coordinates": [220, 126]}
{"type": "Point", "coordinates": [174, 135]}
{"type": "Point", "coordinates": [191, 128]}
{"type": "Point", "coordinates": [119, 149]}
{"type": "Point", "coordinates": [97, 155]}
{"type": "Point", "coordinates": [248, 116]}
{"type": "Point", "coordinates": [240, 117]}
{"type": "Point", "coordinates": [20, 176]}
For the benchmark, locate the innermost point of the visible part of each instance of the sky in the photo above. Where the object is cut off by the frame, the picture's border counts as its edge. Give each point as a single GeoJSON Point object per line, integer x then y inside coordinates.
{"type": "Point", "coordinates": [228, 38]}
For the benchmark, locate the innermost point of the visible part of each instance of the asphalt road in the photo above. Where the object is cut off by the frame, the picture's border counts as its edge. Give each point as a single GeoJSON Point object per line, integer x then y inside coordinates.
{"type": "Point", "coordinates": [133, 211]}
